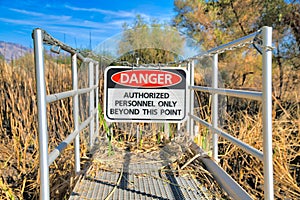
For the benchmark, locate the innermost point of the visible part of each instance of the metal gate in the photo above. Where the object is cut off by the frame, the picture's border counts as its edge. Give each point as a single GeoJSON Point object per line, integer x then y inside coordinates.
{"type": "Point", "coordinates": [41, 37]}
{"type": "Point", "coordinates": [265, 96]}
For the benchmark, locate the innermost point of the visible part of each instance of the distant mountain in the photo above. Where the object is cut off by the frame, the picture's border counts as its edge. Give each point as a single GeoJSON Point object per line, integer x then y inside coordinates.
{"type": "Point", "coordinates": [11, 51]}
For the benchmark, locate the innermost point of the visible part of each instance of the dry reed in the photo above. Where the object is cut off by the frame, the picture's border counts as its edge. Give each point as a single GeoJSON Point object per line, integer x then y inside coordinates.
{"type": "Point", "coordinates": [19, 162]}
{"type": "Point", "coordinates": [19, 138]}
{"type": "Point", "coordinates": [246, 125]}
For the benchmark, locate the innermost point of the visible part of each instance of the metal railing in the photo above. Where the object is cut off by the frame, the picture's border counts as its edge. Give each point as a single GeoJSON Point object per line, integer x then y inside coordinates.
{"type": "Point", "coordinates": [41, 38]}
{"type": "Point", "coordinates": [265, 96]}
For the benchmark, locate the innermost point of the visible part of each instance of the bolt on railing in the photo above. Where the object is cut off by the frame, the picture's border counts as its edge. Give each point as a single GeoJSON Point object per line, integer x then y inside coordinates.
{"type": "Point", "coordinates": [40, 38]}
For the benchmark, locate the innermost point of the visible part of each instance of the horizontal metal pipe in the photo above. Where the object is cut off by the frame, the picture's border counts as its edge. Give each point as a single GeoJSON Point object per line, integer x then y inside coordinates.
{"type": "Point", "coordinates": [230, 92]}
{"type": "Point", "coordinates": [85, 123]}
{"type": "Point", "coordinates": [57, 151]}
{"type": "Point", "coordinates": [86, 90]}
{"type": "Point", "coordinates": [223, 179]}
{"type": "Point", "coordinates": [58, 96]}
{"type": "Point", "coordinates": [88, 120]}
{"type": "Point", "coordinates": [249, 149]}
{"type": "Point", "coordinates": [89, 60]}
{"type": "Point", "coordinates": [215, 50]}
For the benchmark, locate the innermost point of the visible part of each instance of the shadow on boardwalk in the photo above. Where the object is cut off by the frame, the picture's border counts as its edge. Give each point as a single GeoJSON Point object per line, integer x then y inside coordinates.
{"type": "Point", "coordinates": [132, 173]}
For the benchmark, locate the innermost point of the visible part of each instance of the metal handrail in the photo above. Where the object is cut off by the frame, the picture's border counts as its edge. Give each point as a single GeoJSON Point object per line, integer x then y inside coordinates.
{"type": "Point", "coordinates": [221, 48]}
{"type": "Point", "coordinates": [265, 96]}
{"type": "Point", "coordinates": [41, 38]}
{"type": "Point", "coordinates": [254, 95]}
{"type": "Point", "coordinates": [251, 150]}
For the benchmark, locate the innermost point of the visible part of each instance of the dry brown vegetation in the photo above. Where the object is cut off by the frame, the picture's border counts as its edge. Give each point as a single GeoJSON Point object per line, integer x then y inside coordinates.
{"type": "Point", "coordinates": [19, 162]}
{"type": "Point", "coordinates": [243, 119]}
{"type": "Point", "coordinates": [19, 139]}
{"type": "Point", "coordinates": [248, 171]}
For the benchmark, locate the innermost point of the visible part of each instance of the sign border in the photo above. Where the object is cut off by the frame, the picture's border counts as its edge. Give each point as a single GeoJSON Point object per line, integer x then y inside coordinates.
{"type": "Point", "coordinates": [143, 120]}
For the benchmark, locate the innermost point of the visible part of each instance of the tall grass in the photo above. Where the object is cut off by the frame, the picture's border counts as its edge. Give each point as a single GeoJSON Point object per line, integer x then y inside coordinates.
{"type": "Point", "coordinates": [243, 119]}
{"type": "Point", "coordinates": [19, 138]}
{"type": "Point", "coordinates": [248, 171]}
{"type": "Point", "coordinates": [19, 161]}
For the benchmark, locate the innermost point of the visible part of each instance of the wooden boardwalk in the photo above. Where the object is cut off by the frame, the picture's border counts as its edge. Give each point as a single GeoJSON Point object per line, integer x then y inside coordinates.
{"type": "Point", "coordinates": [137, 175]}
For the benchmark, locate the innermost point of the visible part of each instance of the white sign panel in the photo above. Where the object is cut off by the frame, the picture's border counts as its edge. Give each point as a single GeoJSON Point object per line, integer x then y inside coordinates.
{"type": "Point", "coordinates": [145, 95]}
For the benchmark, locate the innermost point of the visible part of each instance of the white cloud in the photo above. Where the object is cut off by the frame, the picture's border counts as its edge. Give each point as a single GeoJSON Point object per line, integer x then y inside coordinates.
{"type": "Point", "coordinates": [38, 19]}
{"type": "Point", "coordinates": [42, 19]}
{"type": "Point", "coordinates": [17, 21]}
{"type": "Point", "coordinates": [26, 12]}
{"type": "Point", "coordinates": [117, 23]}
{"type": "Point", "coordinates": [41, 15]}
{"type": "Point", "coordinates": [123, 14]}
{"type": "Point", "coordinates": [74, 25]}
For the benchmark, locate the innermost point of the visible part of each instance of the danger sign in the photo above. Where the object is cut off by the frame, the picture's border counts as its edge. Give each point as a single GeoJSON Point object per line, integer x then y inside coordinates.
{"type": "Point", "coordinates": [144, 94]}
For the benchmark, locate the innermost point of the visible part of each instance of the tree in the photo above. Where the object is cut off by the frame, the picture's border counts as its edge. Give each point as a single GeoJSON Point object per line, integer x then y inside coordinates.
{"type": "Point", "coordinates": [150, 43]}
{"type": "Point", "coordinates": [2, 57]}
{"type": "Point", "coordinates": [213, 23]}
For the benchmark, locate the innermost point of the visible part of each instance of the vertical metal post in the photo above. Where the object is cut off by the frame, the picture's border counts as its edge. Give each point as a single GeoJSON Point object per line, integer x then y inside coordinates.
{"type": "Point", "coordinates": [214, 107]}
{"type": "Point", "coordinates": [97, 98]}
{"type": "Point", "coordinates": [137, 136]}
{"type": "Point", "coordinates": [191, 99]}
{"type": "Point", "coordinates": [42, 113]}
{"type": "Point", "coordinates": [188, 98]}
{"type": "Point", "coordinates": [92, 105]}
{"type": "Point", "coordinates": [267, 113]}
{"type": "Point", "coordinates": [167, 130]}
{"type": "Point", "coordinates": [76, 113]}
{"type": "Point", "coordinates": [196, 130]}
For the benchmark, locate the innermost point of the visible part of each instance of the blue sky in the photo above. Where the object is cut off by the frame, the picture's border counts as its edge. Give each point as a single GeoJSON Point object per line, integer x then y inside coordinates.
{"type": "Point", "coordinates": [73, 21]}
